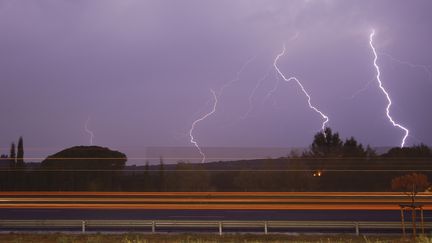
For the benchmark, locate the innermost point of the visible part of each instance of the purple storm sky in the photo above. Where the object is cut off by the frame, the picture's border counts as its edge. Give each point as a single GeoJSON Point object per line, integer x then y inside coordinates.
{"type": "Point", "coordinates": [142, 71]}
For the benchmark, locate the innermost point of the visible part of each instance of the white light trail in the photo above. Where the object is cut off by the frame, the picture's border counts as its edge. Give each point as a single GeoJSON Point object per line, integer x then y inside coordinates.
{"type": "Point", "coordinates": [378, 78]}
{"type": "Point", "coordinates": [89, 131]}
{"type": "Point", "coordinates": [192, 139]}
{"type": "Point", "coordinates": [326, 119]}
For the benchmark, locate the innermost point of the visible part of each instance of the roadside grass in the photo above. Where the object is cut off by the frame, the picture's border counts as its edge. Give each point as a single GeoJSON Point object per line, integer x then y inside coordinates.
{"type": "Point", "coordinates": [199, 238]}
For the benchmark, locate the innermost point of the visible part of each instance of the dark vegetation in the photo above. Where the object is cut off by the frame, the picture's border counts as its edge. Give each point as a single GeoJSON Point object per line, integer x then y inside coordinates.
{"type": "Point", "coordinates": [330, 164]}
{"type": "Point", "coordinates": [197, 238]}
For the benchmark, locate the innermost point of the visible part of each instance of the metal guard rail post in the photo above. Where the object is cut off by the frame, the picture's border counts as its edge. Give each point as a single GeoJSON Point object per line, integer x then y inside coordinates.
{"type": "Point", "coordinates": [153, 225]}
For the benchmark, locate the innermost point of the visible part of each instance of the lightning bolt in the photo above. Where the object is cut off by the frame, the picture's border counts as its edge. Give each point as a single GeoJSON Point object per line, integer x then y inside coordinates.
{"type": "Point", "coordinates": [234, 80]}
{"type": "Point", "coordinates": [252, 95]}
{"type": "Point", "coordinates": [378, 78]}
{"type": "Point", "coordinates": [326, 119]}
{"type": "Point", "coordinates": [237, 77]}
{"type": "Point", "coordinates": [366, 86]}
{"type": "Point", "coordinates": [273, 90]}
{"type": "Point", "coordinates": [215, 99]}
{"type": "Point", "coordinates": [89, 131]}
{"type": "Point", "coordinates": [192, 139]}
{"type": "Point", "coordinates": [425, 68]}
{"type": "Point", "coordinates": [276, 84]}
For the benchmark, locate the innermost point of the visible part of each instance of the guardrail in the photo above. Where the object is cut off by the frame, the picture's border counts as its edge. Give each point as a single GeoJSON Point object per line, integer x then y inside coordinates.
{"type": "Point", "coordinates": [161, 225]}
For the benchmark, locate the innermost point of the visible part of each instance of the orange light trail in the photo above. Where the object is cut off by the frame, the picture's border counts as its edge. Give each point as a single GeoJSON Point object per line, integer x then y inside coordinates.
{"type": "Point", "coordinates": [211, 200]}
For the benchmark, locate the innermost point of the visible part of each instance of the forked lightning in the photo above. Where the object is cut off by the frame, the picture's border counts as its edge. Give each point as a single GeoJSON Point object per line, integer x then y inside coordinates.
{"type": "Point", "coordinates": [326, 119]}
{"type": "Point", "coordinates": [192, 138]}
{"type": "Point", "coordinates": [89, 131]}
{"type": "Point", "coordinates": [378, 78]}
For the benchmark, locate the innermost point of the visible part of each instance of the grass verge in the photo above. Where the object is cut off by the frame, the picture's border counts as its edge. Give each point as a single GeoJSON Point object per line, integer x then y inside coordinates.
{"type": "Point", "coordinates": [197, 238]}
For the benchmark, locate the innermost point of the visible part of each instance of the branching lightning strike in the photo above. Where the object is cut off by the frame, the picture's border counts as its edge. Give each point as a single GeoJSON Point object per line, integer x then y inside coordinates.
{"type": "Point", "coordinates": [271, 92]}
{"type": "Point", "coordinates": [252, 95]}
{"type": "Point", "coordinates": [276, 84]}
{"type": "Point", "coordinates": [192, 139]}
{"type": "Point", "coordinates": [326, 119]}
{"type": "Point", "coordinates": [215, 98]}
{"type": "Point", "coordinates": [365, 87]}
{"type": "Point", "coordinates": [425, 68]}
{"type": "Point", "coordinates": [378, 78]}
{"type": "Point", "coordinates": [89, 131]}
{"type": "Point", "coordinates": [237, 77]}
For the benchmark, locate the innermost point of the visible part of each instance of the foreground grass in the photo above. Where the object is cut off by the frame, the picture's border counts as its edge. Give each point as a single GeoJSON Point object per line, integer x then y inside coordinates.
{"type": "Point", "coordinates": [197, 238]}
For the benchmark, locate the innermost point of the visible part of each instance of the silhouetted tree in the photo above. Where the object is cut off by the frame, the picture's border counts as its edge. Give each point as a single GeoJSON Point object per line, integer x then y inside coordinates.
{"type": "Point", "coordinates": [294, 153]}
{"type": "Point", "coordinates": [146, 177]}
{"type": "Point", "coordinates": [12, 156]}
{"type": "Point", "coordinates": [249, 180]}
{"type": "Point", "coordinates": [259, 178]}
{"type": "Point", "coordinates": [4, 159]}
{"type": "Point", "coordinates": [326, 144]}
{"type": "Point", "coordinates": [161, 175]}
{"type": "Point", "coordinates": [419, 151]}
{"type": "Point", "coordinates": [189, 177]}
{"type": "Point", "coordinates": [20, 154]}
{"type": "Point", "coordinates": [410, 184]}
{"type": "Point", "coordinates": [4, 175]}
{"type": "Point", "coordinates": [298, 176]}
{"type": "Point", "coordinates": [351, 148]}
{"type": "Point", "coordinates": [370, 152]}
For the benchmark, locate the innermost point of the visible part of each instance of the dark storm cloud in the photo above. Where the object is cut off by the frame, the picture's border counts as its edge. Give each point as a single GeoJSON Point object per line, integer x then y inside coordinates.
{"type": "Point", "coordinates": [142, 71]}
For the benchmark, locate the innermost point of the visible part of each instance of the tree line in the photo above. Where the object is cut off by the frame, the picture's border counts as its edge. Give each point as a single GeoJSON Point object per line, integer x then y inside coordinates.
{"type": "Point", "coordinates": [329, 164]}
{"type": "Point", "coordinates": [13, 176]}
{"type": "Point", "coordinates": [16, 156]}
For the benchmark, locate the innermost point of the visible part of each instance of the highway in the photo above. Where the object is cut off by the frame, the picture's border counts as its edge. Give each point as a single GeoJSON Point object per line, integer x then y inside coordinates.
{"type": "Point", "coordinates": [210, 200]}
{"type": "Point", "coordinates": [346, 207]}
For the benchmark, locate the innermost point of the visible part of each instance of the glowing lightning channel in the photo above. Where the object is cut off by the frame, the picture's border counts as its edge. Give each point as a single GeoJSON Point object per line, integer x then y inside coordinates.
{"type": "Point", "coordinates": [192, 139]}
{"type": "Point", "coordinates": [271, 92]}
{"type": "Point", "coordinates": [362, 89]}
{"type": "Point", "coordinates": [252, 94]}
{"type": "Point", "coordinates": [326, 119]}
{"type": "Point", "coordinates": [89, 131]}
{"type": "Point", "coordinates": [425, 68]}
{"type": "Point", "coordinates": [237, 77]}
{"type": "Point", "coordinates": [378, 77]}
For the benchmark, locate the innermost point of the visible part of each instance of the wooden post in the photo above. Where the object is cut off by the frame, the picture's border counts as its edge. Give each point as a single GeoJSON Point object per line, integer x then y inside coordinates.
{"type": "Point", "coordinates": [357, 228]}
{"type": "Point", "coordinates": [265, 227]}
{"type": "Point", "coordinates": [153, 227]}
{"type": "Point", "coordinates": [220, 228]}
{"type": "Point", "coordinates": [403, 220]}
{"type": "Point", "coordinates": [414, 221]}
{"type": "Point", "coordinates": [422, 219]}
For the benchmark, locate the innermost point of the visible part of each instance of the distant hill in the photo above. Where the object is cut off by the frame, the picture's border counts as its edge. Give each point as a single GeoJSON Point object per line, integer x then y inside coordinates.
{"type": "Point", "coordinates": [190, 153]}
{"type": "Point", "coordinates": [172, 155]}
{"type": "Point", "coordinates": [85, 157]}
{"type": "Point", "coordinates": [381, 149]}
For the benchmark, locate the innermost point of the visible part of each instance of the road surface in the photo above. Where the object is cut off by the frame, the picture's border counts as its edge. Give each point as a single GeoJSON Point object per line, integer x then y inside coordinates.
{"type": "Point", "coordinates": [365, 206]}
{"type": "Point", "coordinates": [213, 206]}
{"type": "Point", "coordinates": [210, 200]}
